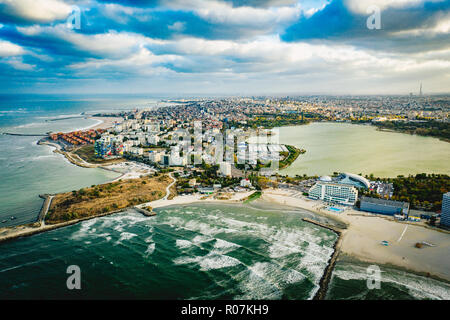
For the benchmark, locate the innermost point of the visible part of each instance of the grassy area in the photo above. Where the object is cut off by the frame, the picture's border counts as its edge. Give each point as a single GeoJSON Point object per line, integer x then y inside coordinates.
{"type": "Point", "coordinates": [291, 156]}
{"type": "Point", "coordinates": [255, 195]}
{"type": "Point", "coordinates": [105, 198]}
{"type": "Point", "coordinates": [86, 153]}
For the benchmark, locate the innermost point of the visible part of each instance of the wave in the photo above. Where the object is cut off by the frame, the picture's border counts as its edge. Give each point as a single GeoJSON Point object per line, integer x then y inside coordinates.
{"type": "Point", "coordinates": [417, 286]}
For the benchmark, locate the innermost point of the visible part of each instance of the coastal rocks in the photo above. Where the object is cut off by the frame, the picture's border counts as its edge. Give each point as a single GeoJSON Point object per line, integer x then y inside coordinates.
{"type": "Point", "coordinates": [148, 211]}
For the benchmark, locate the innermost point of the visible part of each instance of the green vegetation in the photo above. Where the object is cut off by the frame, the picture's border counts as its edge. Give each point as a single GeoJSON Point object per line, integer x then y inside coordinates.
{"type": "Point", "coordinates": [430, 128]}
{"type": "Point", "coordinates": [291, 156]}
{"type": "Point", "coordinates": [206, 176]}
{"type": "Point", "coordinates": [106, 198]}
{"type": "Point", "coordinates": [255, 195]}
{"type": "Point", "coordinates": [422, 191]}
{"type": "Point", "coordinates": [270, 120]}
{"type": "Point", "coordinates": [87, 153]}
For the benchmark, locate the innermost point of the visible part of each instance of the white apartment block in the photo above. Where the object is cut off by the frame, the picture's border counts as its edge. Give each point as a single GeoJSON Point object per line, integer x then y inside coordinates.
{"type": "Point", "coordinates": [225, 169]}
{"type": "Point", "coordinates": [334, 192]}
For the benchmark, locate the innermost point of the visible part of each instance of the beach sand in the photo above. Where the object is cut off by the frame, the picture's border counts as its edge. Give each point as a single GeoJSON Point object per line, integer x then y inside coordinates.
{"type": "Point", "coordinates": [188, 199]}
{"type": "Point", "coordinates": [106, 122]}
{"type": "Point", "coordinates": [363, 236]}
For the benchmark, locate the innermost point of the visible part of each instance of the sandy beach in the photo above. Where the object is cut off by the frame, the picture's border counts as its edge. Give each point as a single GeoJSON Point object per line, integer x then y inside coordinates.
{"type": "Point", "coordinates": [364, 233]}
{"type": "Point", "coordinates": [106, 122]}
{"type": "Point", "coordinates": [188, 199]}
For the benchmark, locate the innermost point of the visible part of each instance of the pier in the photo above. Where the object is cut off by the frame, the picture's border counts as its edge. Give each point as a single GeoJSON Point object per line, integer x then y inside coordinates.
{"type": "Point", "coordinates": [145, 212]}
{"type": "Point", "coordinates": [325, 280]}
{"type": "Point", "coordinates": [45, 206]}
{"type": "Point", "coordinates": [24, 134]}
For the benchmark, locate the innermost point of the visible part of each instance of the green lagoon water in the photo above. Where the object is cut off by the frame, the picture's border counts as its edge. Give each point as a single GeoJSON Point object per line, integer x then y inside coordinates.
{"type": "Point", "coordinates": [342, 147]}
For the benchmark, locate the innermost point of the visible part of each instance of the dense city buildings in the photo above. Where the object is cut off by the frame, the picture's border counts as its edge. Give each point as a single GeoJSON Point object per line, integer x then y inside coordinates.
{"type": "Point", "coordinates": [237, 137]}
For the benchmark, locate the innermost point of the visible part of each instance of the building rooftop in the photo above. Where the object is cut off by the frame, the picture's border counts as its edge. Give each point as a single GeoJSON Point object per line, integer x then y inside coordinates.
{"type": "Point", "coordinates": [384, 202]}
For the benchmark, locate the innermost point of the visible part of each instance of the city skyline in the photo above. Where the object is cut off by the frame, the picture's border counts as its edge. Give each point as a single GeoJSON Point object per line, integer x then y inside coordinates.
{"type": "Point", "coordinates": [225, 47]}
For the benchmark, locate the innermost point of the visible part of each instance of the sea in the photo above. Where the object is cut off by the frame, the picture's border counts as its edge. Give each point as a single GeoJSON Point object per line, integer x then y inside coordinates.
{"type": "Point", "coordinates": [197, 251]}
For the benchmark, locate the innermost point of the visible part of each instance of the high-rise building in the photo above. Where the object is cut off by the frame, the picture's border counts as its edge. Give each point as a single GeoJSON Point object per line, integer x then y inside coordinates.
{"type": "Point", "coordinates": [225, 169]}
{"type": "Point", "coordinates": [445, 215]}
{"type": "Point", "coordinates": [334, 192]}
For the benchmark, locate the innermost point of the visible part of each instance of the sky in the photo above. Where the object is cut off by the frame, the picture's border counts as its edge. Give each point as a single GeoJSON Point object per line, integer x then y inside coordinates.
{"type": "Point", "coordinates": [225, 47]}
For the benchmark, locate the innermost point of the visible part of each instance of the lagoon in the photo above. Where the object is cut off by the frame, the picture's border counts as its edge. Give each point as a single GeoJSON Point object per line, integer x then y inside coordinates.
{"type": "Point", "coordinates": [344, 147]}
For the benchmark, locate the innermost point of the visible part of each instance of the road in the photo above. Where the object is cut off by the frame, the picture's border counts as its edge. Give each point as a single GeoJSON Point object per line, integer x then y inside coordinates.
{"type": "Point", "coordinates": [169, 186]}
{"type": "Point", "coordinates": [44, 209]}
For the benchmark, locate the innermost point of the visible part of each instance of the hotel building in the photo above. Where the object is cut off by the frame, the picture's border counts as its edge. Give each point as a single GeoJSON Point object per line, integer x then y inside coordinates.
{"type": "Point", "coordinates": [334, 192]}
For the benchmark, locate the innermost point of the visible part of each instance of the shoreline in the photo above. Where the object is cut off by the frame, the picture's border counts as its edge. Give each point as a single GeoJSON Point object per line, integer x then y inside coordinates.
{"type": "Point", "coordinates": [411, 133]}
{"type": "Point", "coordinates": [362, 239]}
{"type": "Point", "coordinates": [20, 231]}
{"type": "Point", "coordinates": [343, 246]}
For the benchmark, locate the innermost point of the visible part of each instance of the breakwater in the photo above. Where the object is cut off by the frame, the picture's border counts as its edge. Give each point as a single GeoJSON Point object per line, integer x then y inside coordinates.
{"type": "Point", "coordinates": [24, 134]}
{"type": "Point", "coordinates": [325, 280]}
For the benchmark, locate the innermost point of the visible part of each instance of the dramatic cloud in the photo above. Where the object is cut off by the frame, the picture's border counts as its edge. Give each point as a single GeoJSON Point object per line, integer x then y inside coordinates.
{"type": "Point", "coordinates": [8, 49]}
{"type": "Point", "coordinates": [31, 11]}
{"type": "Point", "coordinates": [224, 46]}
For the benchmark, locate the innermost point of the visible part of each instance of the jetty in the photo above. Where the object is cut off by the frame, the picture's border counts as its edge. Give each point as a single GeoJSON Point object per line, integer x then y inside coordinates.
{"type": "Point", "coordinates": [45, 206]}
{"type": "Point", "coordinates": [326, 277]}
{"type": "Point", "coordinates": [24, 134]}
{"type": "Point", "coordinates": [145, 212]}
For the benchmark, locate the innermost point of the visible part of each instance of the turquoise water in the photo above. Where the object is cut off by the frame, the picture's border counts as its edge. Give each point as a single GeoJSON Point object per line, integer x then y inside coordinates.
{"type": "Point", "coordinates": [29, 169]}
{"type": "Point", "coordinates": [200, 251]}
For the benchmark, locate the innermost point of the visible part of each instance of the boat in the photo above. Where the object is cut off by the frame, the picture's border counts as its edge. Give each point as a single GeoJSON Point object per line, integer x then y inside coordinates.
{"type": "Point", "coordinates": [4, 221]}
{"type": "Point", "coordinates": [12, 218]}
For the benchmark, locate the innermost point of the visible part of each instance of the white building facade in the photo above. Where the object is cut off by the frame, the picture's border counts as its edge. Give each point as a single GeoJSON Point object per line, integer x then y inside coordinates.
{"type": "Point", "coordinates": [334, 192]}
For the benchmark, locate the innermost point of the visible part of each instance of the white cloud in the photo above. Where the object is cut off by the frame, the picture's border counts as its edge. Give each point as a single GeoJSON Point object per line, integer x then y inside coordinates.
{"type": "Point", "coordinates": [142, 62]}
{"type": "Point", "coordinates": [360, 6]}
{"type": "Point", "coordinates": [217, 12]}
{"type": "Point", "coordinates": [17, 63]}
{"type": "Point", "coordinates": [36, 10]}
{"type": "Point", "coordinates": [177, 26]}
{"type": "Point", "coordinates": [8, 49]}
{"type": "Point", "coordinates": [110, 44]}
